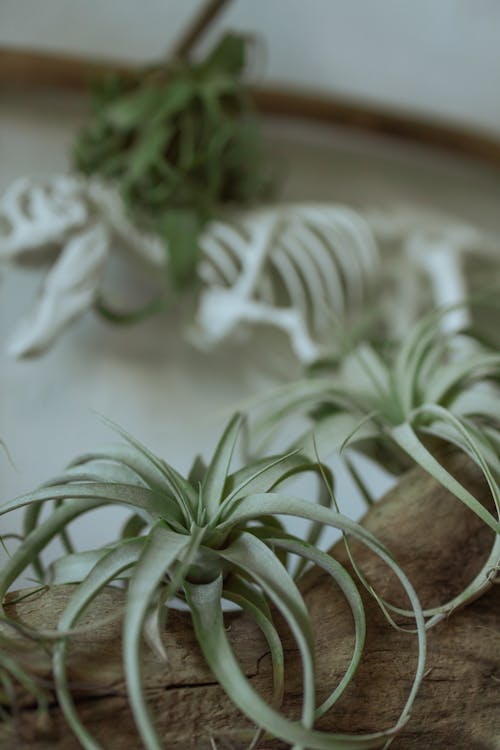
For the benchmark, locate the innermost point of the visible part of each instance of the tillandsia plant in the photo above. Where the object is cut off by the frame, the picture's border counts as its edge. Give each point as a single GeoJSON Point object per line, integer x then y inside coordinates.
{"type": "Point", "coordinates": [20, 653]}
{"type": "Point", "coordinates": [398, 404]}
{"type": "Point", "coordinates": [213, 536]}
{"type": "Point", "coordinates": [18, 673]}
{"type": "Point", "coordinates": [179, 140]}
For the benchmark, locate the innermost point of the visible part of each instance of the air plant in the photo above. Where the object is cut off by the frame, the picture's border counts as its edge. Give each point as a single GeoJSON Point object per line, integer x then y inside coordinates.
{"type": "Point", "coordinates": [17, 673]}
{"type": "Point", "coordinates": [213, 536]}
{"type": "Point", "coordinates": [399, 404]}
{"type": "Point", "coordinates": [178, 139]}
{"type": "Point", "coordinates": [289, 266]}
{"type": "Point", "coordinates": [22, 650]}
{"type": "Point", "coordinates": [18, 658]}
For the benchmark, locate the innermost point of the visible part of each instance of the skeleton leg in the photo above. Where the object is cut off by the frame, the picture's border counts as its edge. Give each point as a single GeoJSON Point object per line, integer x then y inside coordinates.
{"type": "Point", "coordinates": [69, 289]}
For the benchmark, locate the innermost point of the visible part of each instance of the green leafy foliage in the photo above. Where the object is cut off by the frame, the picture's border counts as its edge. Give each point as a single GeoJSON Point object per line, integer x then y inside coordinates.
{"type": "Point", "coordinates": [216, 535]}
{"type": "Point", "coordinates": [179, 141]}
{"type": "Point", "coordinates": [400, 405]}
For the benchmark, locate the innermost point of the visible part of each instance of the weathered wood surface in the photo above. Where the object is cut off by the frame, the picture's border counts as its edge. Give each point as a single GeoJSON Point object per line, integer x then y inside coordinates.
{"type": "Point", "coordinates": [438, 542]}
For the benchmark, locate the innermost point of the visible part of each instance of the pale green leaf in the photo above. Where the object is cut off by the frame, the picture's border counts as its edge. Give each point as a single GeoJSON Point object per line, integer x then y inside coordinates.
{"type": "Point", "coordinates": [475, 367]}
{"type": "Point", "coordinates": [38, 540]}
{"type": "Point", "coordinates": [237, 590]}
{"type": "Point", "coordinates": [254, 506]}
{"type": "Point", "coordinates": [181, 489]}
{"type": "Point", "coordinates": [204, 602]}
{"type": "Point", "coordinates": [348, 587]}
{"type": "Point", "coordinates": [163, 548]}
{"type": "Point", "coordinates": [74, 568]}
{"type": "Point", "coordinates": [215, 479]}
{"type": "Point", "coordinates": [112, 492]}
{"type": "Point", "coordinates": [133, 526]}
{"type": "Point", "coordinates": [263, 475]}
{"type": "Point", "coordinates": [131, 458]}
{"type": "Point", "coordinates": [407, 439]}
{"type": "Point", "coordinates": [105, 571]}
{"type": "Point", "coordinates": [256, 559]}
{"type": "Point", "coordinates": [98, 470]}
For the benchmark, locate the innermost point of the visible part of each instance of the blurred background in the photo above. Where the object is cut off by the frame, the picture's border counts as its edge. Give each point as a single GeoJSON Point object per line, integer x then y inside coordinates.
{"type": "Point", "coordinates": [440, 60]}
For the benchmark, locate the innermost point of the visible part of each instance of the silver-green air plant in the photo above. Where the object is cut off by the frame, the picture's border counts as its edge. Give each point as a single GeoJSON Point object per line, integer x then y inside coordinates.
{"type": "Point", "coordinates": [400, 405]}
{"type": "Point", "coordinates": [20, 650]}
{"type": "Point", "coordinates": [18, 659]}
{"type": "Point", "coordinates": [215, 535]}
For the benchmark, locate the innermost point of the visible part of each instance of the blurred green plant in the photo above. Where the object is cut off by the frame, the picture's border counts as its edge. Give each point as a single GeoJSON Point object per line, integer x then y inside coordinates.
{"type": "Point", "coordinates": [179, 140]}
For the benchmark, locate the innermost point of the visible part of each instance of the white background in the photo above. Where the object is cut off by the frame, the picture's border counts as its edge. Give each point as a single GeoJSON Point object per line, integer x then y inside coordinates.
{"type": "Point", "coordinates": [440, 57]}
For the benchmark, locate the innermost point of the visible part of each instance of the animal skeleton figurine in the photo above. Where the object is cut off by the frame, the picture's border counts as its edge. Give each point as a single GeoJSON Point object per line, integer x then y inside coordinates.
{"type": "Point", "coordinates": [79, 220]}
{"type": "Point", "coordinates": [294, 266]}
{"type": "Point", "coordinates": [437, 247]}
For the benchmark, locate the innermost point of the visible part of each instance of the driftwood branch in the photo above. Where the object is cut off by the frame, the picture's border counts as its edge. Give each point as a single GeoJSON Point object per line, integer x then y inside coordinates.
{"type": "Point", "coordinates": [439, 543]}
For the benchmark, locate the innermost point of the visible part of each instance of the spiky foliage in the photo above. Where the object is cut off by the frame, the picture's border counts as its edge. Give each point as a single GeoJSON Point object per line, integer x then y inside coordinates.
{"type": "Point", "coordinates": [214, 535]}
{"type": "Point", "coordinates": [397, 404]}
{"type": "Point", "coordinates": [179, 140]}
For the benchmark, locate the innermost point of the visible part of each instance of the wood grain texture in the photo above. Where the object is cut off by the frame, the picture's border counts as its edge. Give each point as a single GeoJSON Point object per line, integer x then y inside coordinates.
{"type": "Point", "coordinates": [439, 543]}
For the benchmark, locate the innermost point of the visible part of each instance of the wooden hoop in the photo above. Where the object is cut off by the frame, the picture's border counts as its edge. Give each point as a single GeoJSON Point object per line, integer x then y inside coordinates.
{"type": "Point", "coordinates": [25, 69]}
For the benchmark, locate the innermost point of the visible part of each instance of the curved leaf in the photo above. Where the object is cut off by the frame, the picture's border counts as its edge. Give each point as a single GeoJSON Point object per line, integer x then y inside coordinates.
{"type": "Point", "coordinates": [204, 602]}
{"type": "Point", "coordinates": [76, 567]}
{"type": "Point", "coordinates": [255, 506]}
{"type": "Point", "coordinates": [256, 559]}
{"type": "Point", "coordinates": [348, 587]}
{"type": "Point", "coordinates": [407, 439]}
{"type": "Point", "coordinates": [263, 475]}
{"type": "Point", "coordinates": [162, 549]}
{"type": "Point", "coordinates": [238, 591]}
{"type": "Point", "coordinates": [101, 470]}
{"type": "Point", "coordinates": [477, 366]}
{"type": "Point", "coordinates": [133, 526]}
{"type": "Point", "coordinates": [212, 487]}
{"type": "Point", "coordinates": [183, 492]}
{"type": "Point", "coordinates": [112, 492]}
{"type": "Point", "coordinates": [106, 570]}
{"type": "Point", "coordinates": [130, 457]}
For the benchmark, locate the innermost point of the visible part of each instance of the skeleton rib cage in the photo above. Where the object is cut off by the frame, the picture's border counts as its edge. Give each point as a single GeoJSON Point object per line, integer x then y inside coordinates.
{"type": "Point", "coordinates": [304, 268]}
{"type": "Point", "coordinates": [296, 266]}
